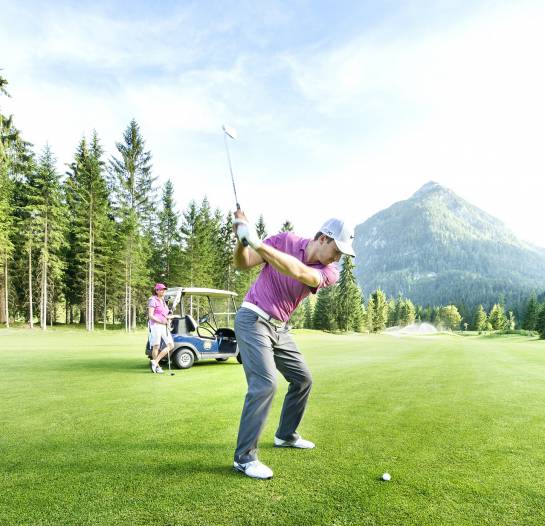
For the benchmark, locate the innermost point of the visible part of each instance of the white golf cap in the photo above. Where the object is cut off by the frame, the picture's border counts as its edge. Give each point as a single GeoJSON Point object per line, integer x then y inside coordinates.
{"type": "Point", "coordinates": [341, 233]}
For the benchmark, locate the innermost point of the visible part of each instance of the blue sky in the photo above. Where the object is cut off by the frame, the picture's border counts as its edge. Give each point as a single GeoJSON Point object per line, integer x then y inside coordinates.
{"type": "Point", "coordinates": [342, 108]}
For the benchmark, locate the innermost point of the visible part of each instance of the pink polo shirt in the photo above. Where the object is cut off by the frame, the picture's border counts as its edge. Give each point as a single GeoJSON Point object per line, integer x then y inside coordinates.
{"type": "Point", "coordinates": [160, 310]}
{"type": "Point", "coordinates": [277, 294]}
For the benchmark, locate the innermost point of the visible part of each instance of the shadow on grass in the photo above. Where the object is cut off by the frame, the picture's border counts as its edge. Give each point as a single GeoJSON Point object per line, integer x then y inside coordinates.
{"type": "Point", "coordinates": [110, 459]}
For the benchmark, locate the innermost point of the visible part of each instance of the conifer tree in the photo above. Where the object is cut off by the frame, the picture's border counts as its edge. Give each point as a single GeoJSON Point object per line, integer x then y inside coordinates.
{"type": "Point", "coordinates": [6, 245]}
{"type": "Point", "coordinates": [167, 257]}
{"type": "Point", "coordinates": [133, 184]}
{"type": "Point", "coordinates": [370, 316]}
{"type": "Point", "coordinates": [308, 308]}
{"type": "Point", "coordinates": [323, 311]}
{"type": "Point", "coordinates": [380, 311]}
{"type": "Point", "coordinates": [225, 273]}
{"type": "Point", "coordinates": [480, 319]}
{"type": "Point", "coordinates": [188, 231]}
{"type": "Point", "coordinates": [497, 317]}
{"type": "Point", "coordinates": [110, 272]}
{"type": "Point", "coordinates": [347, 301]}
{"type": "Point", "coordinates": [202, 235]}
{"type": "Point", "coordinates": [511, 321]}
{"type": "Point", "coordinates": [359, 323]}
{"type": "Point", "coordinates": [530, 314]}
{"type": "Point", "coordinates": [406, 312]}
{"type": "Point", "coordinates": [427, 314]}
{"type": "Point", "coordinates": [87, 195]}
{"type": "Point", "coordinates": [45, 198]}
{"type": "Point", "coordinates": [540, 322]}
{"type": "Point", "coordinates": [260, 228]}
{"type": "Point", "coordinates": [9, 137]}
{"type": "Point", "coordinates": [22, 233]}
{"type": "Point", "coordinates": [30, 233]}
{"type": "Point", "coordinates": [392, 313]}
{"type": "Point", "coordinates": [297, 318]}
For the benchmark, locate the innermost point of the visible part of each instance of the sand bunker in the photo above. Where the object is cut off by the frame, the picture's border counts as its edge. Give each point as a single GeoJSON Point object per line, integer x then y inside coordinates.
{"type": "Point", "coordinates": [414, 328]}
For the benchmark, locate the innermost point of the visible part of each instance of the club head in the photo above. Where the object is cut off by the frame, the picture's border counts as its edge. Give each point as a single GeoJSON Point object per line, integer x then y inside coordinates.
{"type": "Point", "coordinates": [231, 132]}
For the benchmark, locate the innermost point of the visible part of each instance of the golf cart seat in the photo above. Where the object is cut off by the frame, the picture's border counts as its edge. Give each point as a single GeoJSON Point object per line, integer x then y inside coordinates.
{"type": "Point", "coordinates": [183, 325]}
{"type": "Point", "coordinates": [190, 323]}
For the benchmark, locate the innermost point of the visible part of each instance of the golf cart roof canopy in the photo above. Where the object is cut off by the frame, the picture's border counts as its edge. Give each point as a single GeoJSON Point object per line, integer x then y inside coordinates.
{"type": "Point", "coordinates": [197, 291]}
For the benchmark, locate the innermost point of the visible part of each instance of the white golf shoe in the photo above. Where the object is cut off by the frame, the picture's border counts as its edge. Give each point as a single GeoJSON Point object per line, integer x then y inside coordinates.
{"type": "Point", "coordinates": [300, 443]}
{"type": "Point", "coordinates": [159, 369]}
{"type": "Point", "coordinates": [254, 469]}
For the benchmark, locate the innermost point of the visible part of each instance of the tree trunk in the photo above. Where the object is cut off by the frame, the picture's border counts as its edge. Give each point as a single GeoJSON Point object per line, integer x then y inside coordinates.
{"type": "Point", "coordinates": [126, 300]}
{"type": "Point", "coordinates": [30, 306]}
{"type": "Point", "coordinates": [43, 294]}
{"type": "Point", "coordinates": [2, 301]}
{"type": "Point", "coordinates": [43, 297]}
{"type": "Point", "coordinates": [5, 297]}
{"type": "Point", "coordinates": [52, 307]}
{"type": "Point", "coordinates": [104, 312]}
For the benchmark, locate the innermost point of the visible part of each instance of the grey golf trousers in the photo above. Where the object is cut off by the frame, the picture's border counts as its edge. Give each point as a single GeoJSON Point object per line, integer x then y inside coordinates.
{"type": "Point", "coordinates": [265, 348]}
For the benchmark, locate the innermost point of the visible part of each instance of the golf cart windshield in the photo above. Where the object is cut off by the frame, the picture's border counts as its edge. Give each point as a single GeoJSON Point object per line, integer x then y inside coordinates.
{"type": "Point", "coordinates": [216, 306]}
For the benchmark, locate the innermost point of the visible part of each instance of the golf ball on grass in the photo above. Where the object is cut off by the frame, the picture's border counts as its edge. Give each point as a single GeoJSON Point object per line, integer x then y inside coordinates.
{"type": "Point", "coordinates": [386, 476]}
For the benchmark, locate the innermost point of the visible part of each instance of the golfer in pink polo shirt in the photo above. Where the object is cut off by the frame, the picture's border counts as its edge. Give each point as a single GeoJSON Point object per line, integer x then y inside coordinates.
{"type": "Point", "coordinates": [293, 268]}
{"type": "Point", "coordinates": [158, 320]}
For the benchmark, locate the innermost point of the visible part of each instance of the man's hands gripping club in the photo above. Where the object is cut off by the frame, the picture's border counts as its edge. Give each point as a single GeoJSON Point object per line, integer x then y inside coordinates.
{"type": "Point", "coordinates": [245, 231]}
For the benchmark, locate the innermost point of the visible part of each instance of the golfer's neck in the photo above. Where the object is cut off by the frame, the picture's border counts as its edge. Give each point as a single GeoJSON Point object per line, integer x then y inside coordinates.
{"type": "Point", "coordinates": [310, 252]}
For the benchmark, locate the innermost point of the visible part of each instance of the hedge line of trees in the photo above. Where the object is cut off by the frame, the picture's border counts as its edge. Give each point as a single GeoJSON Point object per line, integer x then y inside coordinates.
{"type": "Point", "coordinates": [342, 308]}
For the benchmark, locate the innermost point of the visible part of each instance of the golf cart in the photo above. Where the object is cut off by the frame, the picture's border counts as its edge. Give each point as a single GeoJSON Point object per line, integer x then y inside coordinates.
{"type": "Point", "coordinates": [201, 326]}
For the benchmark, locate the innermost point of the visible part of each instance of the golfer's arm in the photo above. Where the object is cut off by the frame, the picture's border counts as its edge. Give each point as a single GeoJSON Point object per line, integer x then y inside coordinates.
{"type": "Point", "coordinates": [245, 258]}
{"type": "Point", "coordinates": [289, 265]}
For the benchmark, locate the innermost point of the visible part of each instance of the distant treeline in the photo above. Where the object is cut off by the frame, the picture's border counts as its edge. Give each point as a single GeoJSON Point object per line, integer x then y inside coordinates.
{"type": "Point", "coordinates": [379, 312]}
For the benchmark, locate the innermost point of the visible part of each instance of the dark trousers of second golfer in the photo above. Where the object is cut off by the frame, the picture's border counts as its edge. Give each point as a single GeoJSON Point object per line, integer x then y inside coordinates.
{"type": "Point", "coordinates": [264, 349]}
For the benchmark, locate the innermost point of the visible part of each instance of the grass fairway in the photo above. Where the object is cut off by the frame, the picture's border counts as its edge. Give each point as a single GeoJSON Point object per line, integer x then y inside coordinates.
{"type": "Point", "coordinates": [89, 436]}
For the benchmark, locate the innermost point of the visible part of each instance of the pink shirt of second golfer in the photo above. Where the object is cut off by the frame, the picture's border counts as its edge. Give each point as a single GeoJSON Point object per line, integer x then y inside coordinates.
{"type": "Point", "coordinates": [160, 310]}
{"type": "Point", "coordinates": [277, 294]}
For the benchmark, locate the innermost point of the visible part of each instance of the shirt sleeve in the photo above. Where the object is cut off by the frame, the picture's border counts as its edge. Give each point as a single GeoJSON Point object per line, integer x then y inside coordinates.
{"type": "Point", "coordinates": [152, 302]}
{"type": "Point", "coordinates": [277, 241]}
{"type": "Point", "coordinates": [329, 275]}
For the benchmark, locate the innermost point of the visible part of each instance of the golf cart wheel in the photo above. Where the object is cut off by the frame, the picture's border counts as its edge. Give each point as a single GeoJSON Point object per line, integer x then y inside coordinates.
{"type": "Point", "coordinates": [239, 358]}
{"type": "Point", "coordinates": [184, 359]}
{"type": "Point", "coordinates": [221, 359]}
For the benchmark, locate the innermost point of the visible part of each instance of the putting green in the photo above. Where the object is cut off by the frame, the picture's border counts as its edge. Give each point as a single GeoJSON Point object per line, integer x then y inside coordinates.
{"type": "Point", "coordinates": [89, 436]}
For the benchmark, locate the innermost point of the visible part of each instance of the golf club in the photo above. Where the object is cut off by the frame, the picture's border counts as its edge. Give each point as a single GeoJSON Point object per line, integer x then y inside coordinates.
{"type": "Point", "coordinates": [169, 369]}
{"type": "Point", "coordinates": [231, 132]}
{"type": "Point", "coordinates": [168, 350]}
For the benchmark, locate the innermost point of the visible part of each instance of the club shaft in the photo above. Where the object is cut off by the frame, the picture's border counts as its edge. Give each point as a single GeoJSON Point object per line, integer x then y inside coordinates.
{"type": "Point", "coordinates": [231, 169]}
{"type": "Point", "coordinates": [244, 241]}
